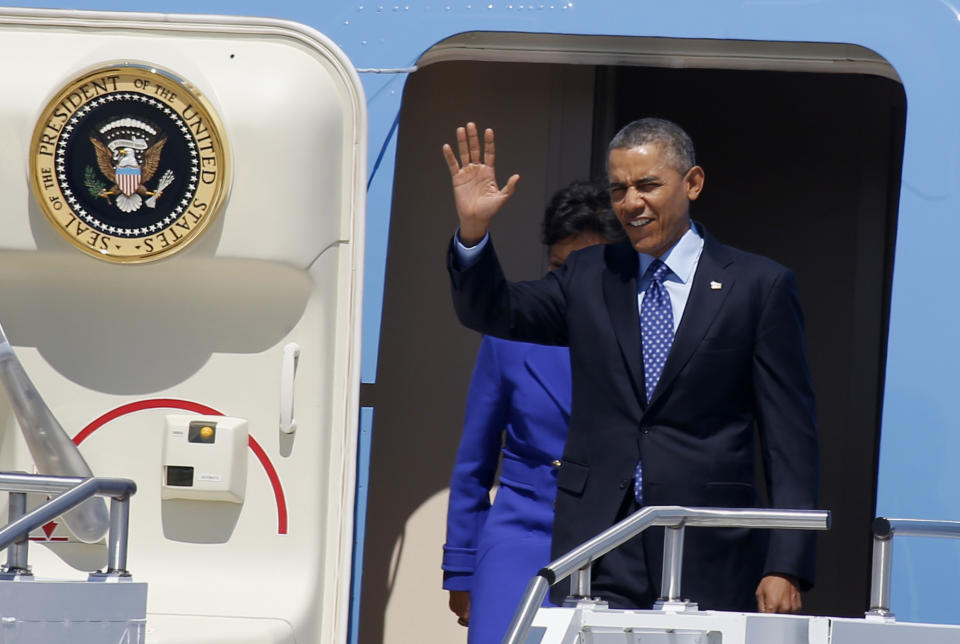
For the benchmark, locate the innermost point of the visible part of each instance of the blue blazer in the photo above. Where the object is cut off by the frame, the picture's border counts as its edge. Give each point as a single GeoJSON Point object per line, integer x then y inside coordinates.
{"type": "Point", "coordinates": [738, 361]}
{"type": "Point", "coordinates": [523, 390]}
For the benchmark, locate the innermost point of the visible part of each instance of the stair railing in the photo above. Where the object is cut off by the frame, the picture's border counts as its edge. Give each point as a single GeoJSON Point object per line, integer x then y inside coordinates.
{"type": "Point", "coordinates": [883, 531]}
{"type": "Point", "coordinates": [67, 492]}
{"type": "Point", "coordinates": [577, 563]}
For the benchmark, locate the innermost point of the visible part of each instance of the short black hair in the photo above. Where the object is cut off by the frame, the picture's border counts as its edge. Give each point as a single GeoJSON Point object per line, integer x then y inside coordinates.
{"type": "Point", "coordinates": [581, 206]}
{"type": "Point", "coordinates": [676, 143]}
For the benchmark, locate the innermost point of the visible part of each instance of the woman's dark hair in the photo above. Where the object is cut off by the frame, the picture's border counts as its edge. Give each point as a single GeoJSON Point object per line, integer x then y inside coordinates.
{"type": "Point", "coordinates": [581, 206]}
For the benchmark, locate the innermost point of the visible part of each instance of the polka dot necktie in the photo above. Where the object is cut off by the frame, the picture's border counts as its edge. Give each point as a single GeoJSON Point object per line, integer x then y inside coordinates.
{"type": "Point", "coordinates": [656, 330]}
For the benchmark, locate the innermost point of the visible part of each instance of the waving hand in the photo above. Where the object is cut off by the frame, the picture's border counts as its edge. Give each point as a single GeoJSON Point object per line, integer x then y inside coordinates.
{"type": "Point", "coordinates": [475, 190]}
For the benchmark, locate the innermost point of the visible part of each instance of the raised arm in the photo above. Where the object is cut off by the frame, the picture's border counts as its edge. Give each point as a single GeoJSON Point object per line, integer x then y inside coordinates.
{"type": "Point", "coordinates": [477, 195]}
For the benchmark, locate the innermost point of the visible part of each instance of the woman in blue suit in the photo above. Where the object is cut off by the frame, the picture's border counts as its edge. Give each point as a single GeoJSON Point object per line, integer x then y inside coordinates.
{"type": "Point", "coordinates": [521, 389]}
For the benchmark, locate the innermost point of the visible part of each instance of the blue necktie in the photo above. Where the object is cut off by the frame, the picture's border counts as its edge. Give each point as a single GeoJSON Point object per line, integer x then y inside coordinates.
{"type": "Point", "coordinates": [656, 330]}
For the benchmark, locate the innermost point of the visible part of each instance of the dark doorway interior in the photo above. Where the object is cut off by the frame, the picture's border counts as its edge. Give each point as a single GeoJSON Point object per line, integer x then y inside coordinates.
{"type": "Point", "coordinates": [805, 169]}
{"type": "Point", "coordinates": [801, 167]}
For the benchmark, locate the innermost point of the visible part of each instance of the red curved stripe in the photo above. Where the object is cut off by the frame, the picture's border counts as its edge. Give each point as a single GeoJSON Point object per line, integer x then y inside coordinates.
{"type": "Point", "coordinates": [154, 403]}
{"type": "Point", "coordinates": [274, 481]}
{"type": "Point", "coordinates": [187, 405]}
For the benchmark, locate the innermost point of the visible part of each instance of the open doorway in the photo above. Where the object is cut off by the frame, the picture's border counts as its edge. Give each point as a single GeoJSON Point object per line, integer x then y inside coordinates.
{"type": "Point", "coordinates": [805, 169]}
{"type": "Point", "coordinates": [802, 166]}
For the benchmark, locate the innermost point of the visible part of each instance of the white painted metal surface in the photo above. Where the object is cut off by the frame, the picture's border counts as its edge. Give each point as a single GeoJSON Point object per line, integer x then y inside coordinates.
{"type": "Point", "coordinates": [77, 612]}
{"type": "Point", "coordinates": [115, 348]}
{"type": "Point", "coordinates": [204, 468]}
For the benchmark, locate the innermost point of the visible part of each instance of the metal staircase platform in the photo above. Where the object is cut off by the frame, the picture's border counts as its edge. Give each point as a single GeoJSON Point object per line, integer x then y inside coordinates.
{"type": "Point", "coordinates": [592, 623]}
{"type": "Point", "coordinates": [78, 612]}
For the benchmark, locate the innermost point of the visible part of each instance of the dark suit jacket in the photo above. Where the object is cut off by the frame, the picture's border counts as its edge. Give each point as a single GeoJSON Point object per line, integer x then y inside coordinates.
{"type": "Point", "coordinates": [738, 359]}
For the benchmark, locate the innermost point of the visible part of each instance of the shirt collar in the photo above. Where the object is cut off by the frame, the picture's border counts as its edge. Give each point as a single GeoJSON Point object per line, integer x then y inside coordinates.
{"type": "Point", "coordinates": [681, 258]}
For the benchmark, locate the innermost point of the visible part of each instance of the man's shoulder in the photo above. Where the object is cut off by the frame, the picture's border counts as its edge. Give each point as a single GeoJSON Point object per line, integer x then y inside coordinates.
{"type": "Point", "coordinates": [745, 261]}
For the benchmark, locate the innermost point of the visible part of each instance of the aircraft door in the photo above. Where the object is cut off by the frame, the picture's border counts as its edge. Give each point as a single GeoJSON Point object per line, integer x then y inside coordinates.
{"type": "Point", "coordinates": [180, 274]}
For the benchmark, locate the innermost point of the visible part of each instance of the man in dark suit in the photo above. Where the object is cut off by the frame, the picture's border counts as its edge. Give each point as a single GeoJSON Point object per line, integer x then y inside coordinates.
{"type": "Point", "coordinates": [679, 346]}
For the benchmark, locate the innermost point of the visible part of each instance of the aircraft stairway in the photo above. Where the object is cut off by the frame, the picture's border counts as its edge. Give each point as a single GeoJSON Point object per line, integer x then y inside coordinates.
{"type": "Point", "coordinates": [109, 607]}
{"type": "Point", "coordinates": [673, 620]}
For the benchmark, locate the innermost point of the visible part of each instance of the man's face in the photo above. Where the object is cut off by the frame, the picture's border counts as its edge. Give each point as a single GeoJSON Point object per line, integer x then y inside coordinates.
{"type": "Point", "coordinates": [651, 198]}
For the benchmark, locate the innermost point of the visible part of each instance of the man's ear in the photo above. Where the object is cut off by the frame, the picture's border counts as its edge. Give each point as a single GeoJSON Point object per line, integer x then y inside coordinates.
{"type": "Point", "coordinates": [693, 181]}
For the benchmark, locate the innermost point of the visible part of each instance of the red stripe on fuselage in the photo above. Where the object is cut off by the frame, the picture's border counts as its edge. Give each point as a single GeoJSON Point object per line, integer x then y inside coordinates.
{"type": "Point", "coordinates": [188, 405]}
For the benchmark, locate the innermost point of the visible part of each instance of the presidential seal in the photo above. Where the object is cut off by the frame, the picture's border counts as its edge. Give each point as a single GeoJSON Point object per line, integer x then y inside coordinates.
{"type": "Point", "coordinates": [129, 163]}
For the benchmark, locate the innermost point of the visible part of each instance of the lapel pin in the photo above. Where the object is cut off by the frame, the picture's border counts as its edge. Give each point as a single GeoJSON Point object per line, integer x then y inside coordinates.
{"type": "Point", "coordinates": [716, 286]}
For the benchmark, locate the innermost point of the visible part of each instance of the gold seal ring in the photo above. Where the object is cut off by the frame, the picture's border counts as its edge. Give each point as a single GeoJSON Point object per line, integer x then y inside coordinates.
{"type": "Point", "coordinates": [129, 163]}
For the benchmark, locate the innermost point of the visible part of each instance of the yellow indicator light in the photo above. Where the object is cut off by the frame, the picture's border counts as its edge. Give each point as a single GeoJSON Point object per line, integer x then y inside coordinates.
{"type": "Point", "coordinates": [202, 432]}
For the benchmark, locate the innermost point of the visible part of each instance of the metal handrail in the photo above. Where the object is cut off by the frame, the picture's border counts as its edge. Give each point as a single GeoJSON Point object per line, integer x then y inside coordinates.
{"type": "Point", "coordinates": [883, 531]}
{"type": "Point", "coordinates": [577, 563]}
{"type": "Point", "coordinates": [71, 491]}
{"type": "Point", "coordinates": [53, 452]}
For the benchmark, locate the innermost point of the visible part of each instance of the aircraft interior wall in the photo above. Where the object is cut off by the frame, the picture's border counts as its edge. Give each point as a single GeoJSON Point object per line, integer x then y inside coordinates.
{"type": "Point", "coordinates": [543, 118]}
{"type": "Point", "coordinates": [801, 167]}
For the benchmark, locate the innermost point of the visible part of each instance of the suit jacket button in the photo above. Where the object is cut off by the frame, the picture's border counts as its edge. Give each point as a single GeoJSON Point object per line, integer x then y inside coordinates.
{"type": "Point", "coordinates": [624, 483]}
{"type": "Point", "coordinates": [556, 463]}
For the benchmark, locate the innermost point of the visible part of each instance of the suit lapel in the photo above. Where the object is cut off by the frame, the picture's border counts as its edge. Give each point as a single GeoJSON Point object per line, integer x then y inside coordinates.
{"type": "Point", "coordinates": [620, 296]}
{"type": "Point", "coordinates": [550, 366]}
{"type": "Point", "coordinates": [704, 302]}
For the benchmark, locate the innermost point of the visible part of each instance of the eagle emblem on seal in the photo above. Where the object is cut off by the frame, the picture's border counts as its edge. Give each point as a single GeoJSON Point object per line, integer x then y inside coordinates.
{"type": "Point", "coordinates": [128, 155]}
